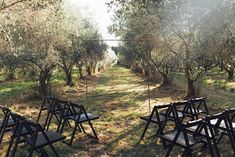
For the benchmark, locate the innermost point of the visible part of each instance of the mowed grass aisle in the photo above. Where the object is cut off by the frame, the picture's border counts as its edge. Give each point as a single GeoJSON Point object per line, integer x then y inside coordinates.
{"type": "Point", "coordinates": [119, 97]}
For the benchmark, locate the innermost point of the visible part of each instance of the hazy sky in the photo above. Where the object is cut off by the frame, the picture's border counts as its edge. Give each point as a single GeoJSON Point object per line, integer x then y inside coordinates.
{"type": "Point", "coordinates": [99, 11]}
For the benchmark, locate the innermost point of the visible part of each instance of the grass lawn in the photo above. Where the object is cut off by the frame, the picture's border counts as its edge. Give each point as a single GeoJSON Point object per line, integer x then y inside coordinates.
{"type": "Point", "coordinates": [119, 97]}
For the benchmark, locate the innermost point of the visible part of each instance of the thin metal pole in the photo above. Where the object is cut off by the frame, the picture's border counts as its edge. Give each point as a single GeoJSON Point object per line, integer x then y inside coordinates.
{"type": "Point", "coordinates": [86, 99]}
{"type": "Point", "coordinates": [149, 96]}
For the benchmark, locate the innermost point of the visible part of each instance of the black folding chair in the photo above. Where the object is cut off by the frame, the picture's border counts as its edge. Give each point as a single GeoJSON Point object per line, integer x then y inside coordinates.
{"type": "Point", "coordinates": [78, 114]}
{"type": "Point", "coordinates": [217, 128]}
{"type": "Point", "coordinates": [17, 135]}
{"type": "Point", "coordinates": [199, 107]}
{"type": "Point", "coordinates": [230, 119]}
{"type": "Point", "coordinates": [6, 123]}
{"type": "Point", "coordinates": [54, 108]}
{"type": "Point", "coordinates": [34, 136]}
{"type": "Point", "coordinates": [160, 115]}
{"type": "Point", "coordinates": [192, 108]}
{"type": "Point", "coordinates": [47, 105]}
{"type": "Point", "coordinates": [183, 136]}
{"type": "Point", "coordinates": [63, 106]}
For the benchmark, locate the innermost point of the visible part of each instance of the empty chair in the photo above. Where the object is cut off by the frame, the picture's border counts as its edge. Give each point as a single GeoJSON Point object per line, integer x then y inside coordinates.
{"type": "Point", "coordinates": [34, 136]}
{"type": "Point", "coordinates": [47, 105]}
{"type": "Point", "coordinates": [78, 114]}
{"type": "Point", "coordinates": [6, 121]}
{"type": "Point", "coordinates": [230, 126]}
{"type": "Point", "coordinates": [55, 108]}
{"type": "Point", "coordinates": [193, 108]}
{"type": "Point", "coordinates": [62, 106]}
{"type": "Point", "coordinates": [185, 138]}
{"type": "Point", "coordinates": [199, 106]}
{"type": "Point", "coordinates": [160, 115]}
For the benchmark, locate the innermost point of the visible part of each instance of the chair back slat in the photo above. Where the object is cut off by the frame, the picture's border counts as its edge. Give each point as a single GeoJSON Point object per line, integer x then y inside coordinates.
{"type": "Point", "coordinates": [47, 104]}
{"type": "Point", "coordinates": [76, 110]}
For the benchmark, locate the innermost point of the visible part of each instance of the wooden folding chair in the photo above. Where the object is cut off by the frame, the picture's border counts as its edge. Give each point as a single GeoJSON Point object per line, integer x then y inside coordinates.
{"type": "Point", "coordinates": [78, 114]}
{"type": "Point", "coordinates": [6, 123]}
{"type": "Point", "coordinates": [34, 136]}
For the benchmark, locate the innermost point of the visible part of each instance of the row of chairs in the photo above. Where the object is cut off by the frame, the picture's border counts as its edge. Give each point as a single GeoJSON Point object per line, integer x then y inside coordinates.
{"type": "Point", "coordinates": [206, 130]}
{"type": "Point", "coordinates": [64, 112]}
{"type": "Point", "coordinates": [37, 136]}
{"type": "Point", "coordinates": [191, 109]}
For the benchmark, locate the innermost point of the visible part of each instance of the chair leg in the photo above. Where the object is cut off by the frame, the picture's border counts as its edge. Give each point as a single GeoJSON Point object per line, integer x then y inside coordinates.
{"type": "Point", "coordinates": [68, 124]}
{"type": "Point", "coordinates": [15, 147]}
{"type": "Point", "coordinates": [2, 132]}
{"type": "Point", "coordinates": [10, 145]}
{"type": "Point", "coordinates": [49, 121]}
{"type": "Point", "coordinates": [82, 129]}
{"type": "Point", "coordinates": [232, 142]}
{"type": "Point", "coordinates": [59, 125]}
{"type": "Point", "coordinates": [188, 152]}
{"type": "Point", "coordinates": [62, 126]}
{"type": "Point", "coordinates": [30, 152]}
{"type": "Point", "coordinates": [216, 148]}
{"type": "Point", "coordinates": [46, 121]}
{"type": "Point", "coordinates": [55, 152]}
{"type": "Point", "coordinates": [73, 133]}
{"type": "Point", "coordinates": [93, 130]}
{"type": "Point", "coordinates": [169, 150]}
{"type": "Point", "coordinates": [145, 129]}
{"type": "Point", "coordinates": [211, 148]}
{"type": "Point", "coordinates": [184, 153]}
{"type": "Point", "coordinates": [39, 116]}
{"type": "Point", "coordinates": [43, 152]}
{"type": "Point", "coordinates": [161, 127]}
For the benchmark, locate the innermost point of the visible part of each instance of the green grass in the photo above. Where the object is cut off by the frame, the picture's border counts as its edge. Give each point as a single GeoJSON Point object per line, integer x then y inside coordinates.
{"type": "Point", "coordinates": [14, 90]}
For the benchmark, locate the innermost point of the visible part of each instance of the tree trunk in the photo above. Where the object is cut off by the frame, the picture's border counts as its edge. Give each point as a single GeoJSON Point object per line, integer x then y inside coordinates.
{"type": "Point", "coordinates": [190, 82]}
{"type": "Point", "coordinates": [10, 74]}
{"type": "Point", "coordinates": [69, 81]}
{"type": "Point", "coordinates": [89, 71]}
{"type": "Point", "coordinates": [44, 82]}
{"type": "Point", "coordinates": [165, 80]}
{"type": "Point", "coordinates": [191, 89]}
{"type": "Point", "coordinates": [94, 70]}
{"type": "Point", "coordinates": [80, 71]}
{"type": "Point", "coordinates": [221, 65]}
{"type": "Point", "coordinates": [43, 88]}
{"type": "Point", "coordinates": [230, 72]}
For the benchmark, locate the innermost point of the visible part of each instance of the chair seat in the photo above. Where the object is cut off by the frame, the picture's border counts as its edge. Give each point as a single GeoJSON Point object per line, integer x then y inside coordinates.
{"type": "Point", "coordinates": [10, 123]}
{"type": "Point", "coordinates": [153, 119]}
{"type": "Point", "coordinates": [180, 140]}
{"type": "Point", "coordinates": [180, 114]}
{"type": "Point", "coordinates": [203, 133]}
{"type": "Point", "coordinates": [222, 124]}
{"type": "Point", "coordinates": [83, 117]}
{"type": "Point", "coordinates": [42, 141]}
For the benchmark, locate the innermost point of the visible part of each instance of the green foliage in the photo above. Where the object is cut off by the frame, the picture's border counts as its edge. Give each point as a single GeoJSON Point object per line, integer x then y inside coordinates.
{"type": "Point", "coordinates": [166, 36]}
{"type": "Point", "coordinates": [220, 84]}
